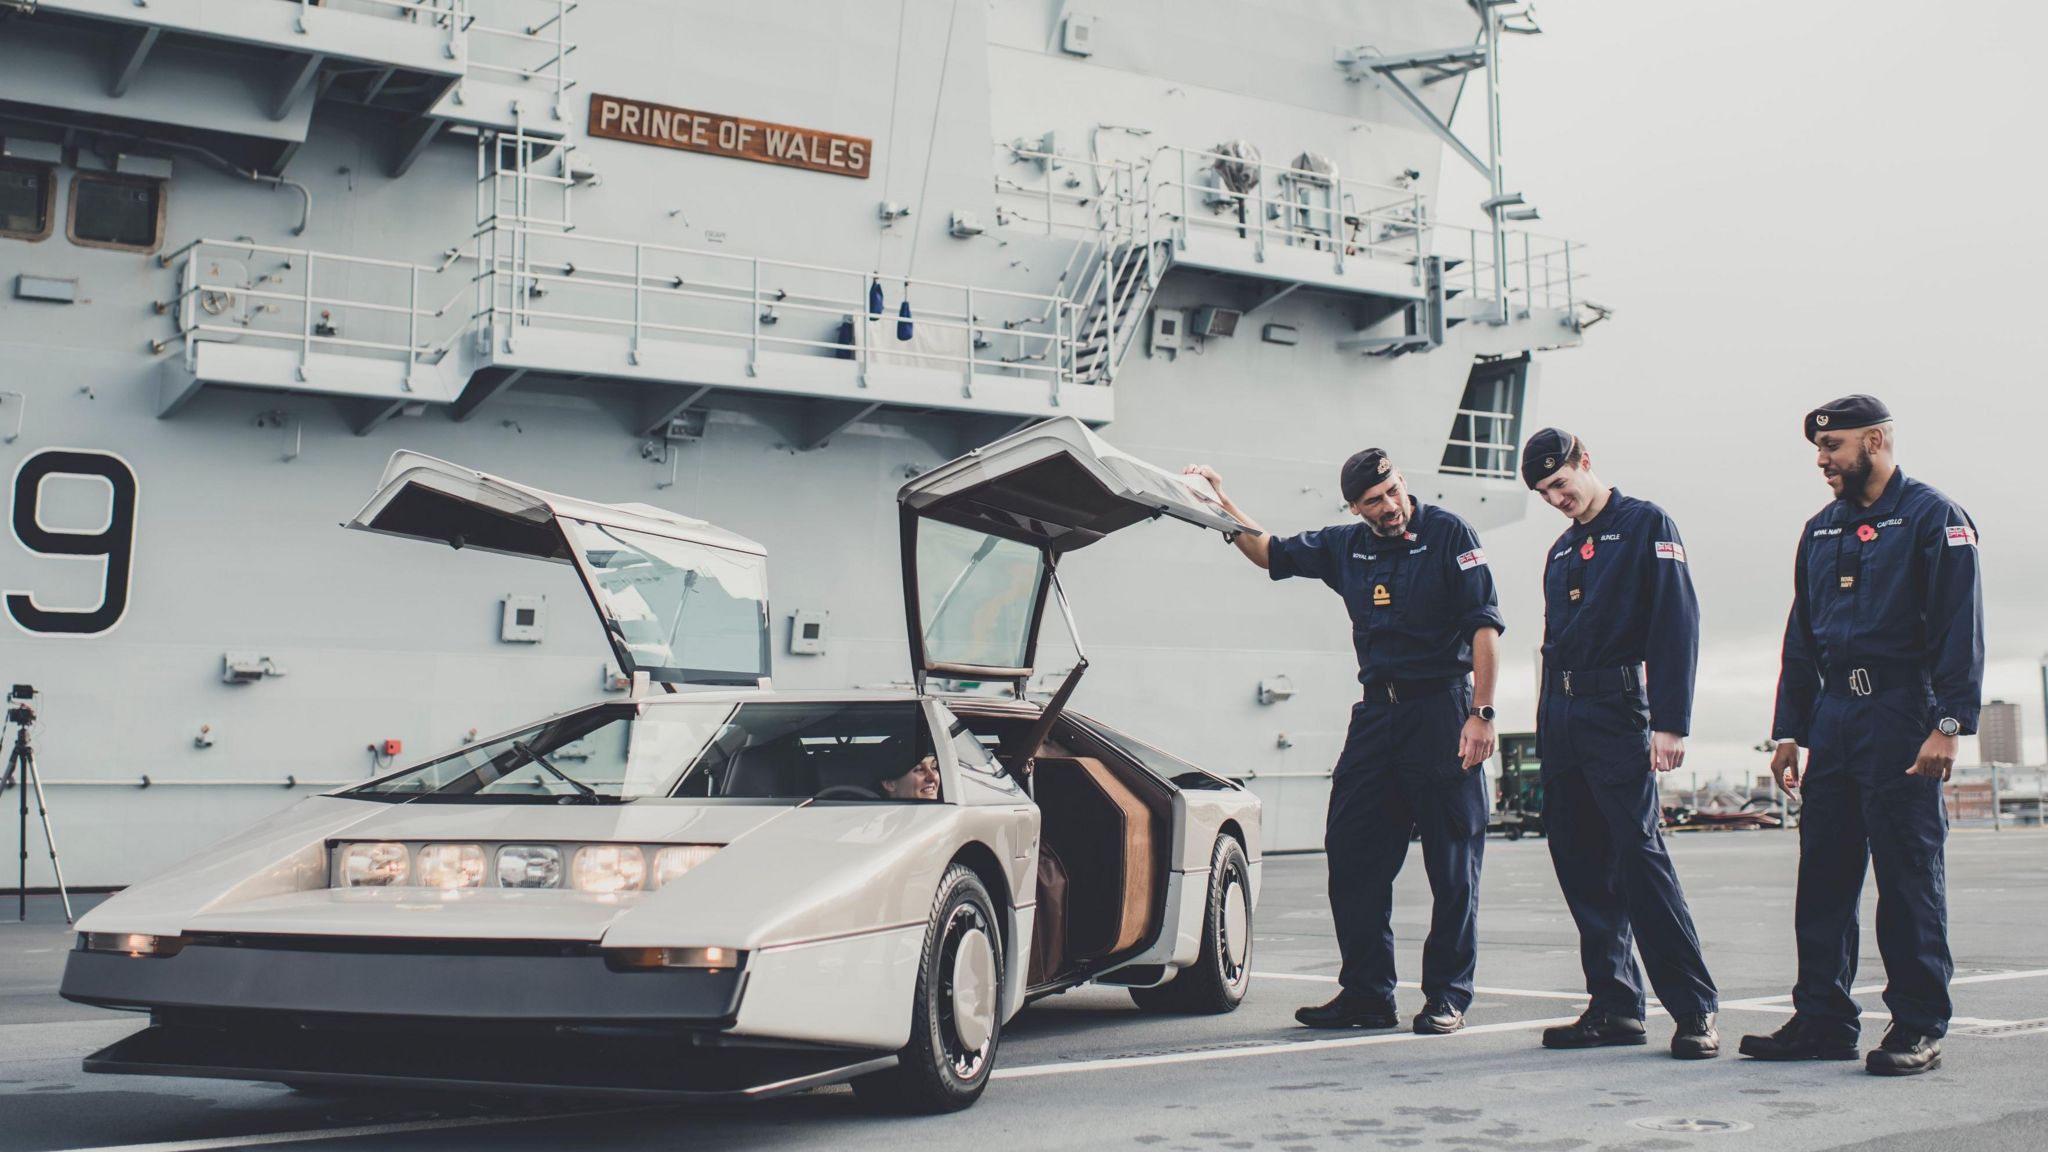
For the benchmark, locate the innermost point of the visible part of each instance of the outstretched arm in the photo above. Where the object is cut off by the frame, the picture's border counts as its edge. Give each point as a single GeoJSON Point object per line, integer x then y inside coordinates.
{"type": "Point", "coordinates": [1253, 541]}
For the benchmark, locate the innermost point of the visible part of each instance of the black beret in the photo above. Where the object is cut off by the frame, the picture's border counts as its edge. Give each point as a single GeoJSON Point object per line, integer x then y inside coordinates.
{"type": "Point", "coordinates": [1545, 453]}
{"type": "Point", "coordinates": [1365, 470]}
{"type": "Point", "coordinates": [1858, 411]}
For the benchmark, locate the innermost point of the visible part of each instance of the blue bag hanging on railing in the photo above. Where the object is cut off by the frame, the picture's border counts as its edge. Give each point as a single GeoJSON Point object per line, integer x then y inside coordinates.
{"type": "Point", "coordinates": [903, 329]}
{"type": "Point", "coordinates": [875, 303]}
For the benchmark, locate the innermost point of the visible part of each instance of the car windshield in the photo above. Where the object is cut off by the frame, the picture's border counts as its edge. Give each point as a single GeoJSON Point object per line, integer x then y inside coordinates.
{"type": "Point", "coordinates": [824, 751]}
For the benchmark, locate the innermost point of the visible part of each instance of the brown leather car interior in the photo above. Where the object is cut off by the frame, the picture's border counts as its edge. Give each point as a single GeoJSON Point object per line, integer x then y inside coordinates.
{"type": "Point", "coordinates": [1102, 832]}
{"type": "Point", "coordinates": [1049, 934]}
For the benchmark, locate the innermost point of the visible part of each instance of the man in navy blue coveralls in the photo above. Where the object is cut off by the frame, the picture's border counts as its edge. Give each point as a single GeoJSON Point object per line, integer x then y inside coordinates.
{"type": "Point", "coordinates": [1617, 594]}
{"type": "Point", "coordinates": [1883, 670]}
{"type": "Point", "coordinates": [1425, 624]}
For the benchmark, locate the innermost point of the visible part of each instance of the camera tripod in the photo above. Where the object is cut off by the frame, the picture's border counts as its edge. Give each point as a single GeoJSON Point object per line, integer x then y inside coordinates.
{"type": "Point", "coordinates": [21, 773]}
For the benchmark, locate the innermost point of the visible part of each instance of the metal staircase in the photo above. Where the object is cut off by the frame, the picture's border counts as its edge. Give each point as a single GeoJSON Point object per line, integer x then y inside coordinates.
{"type": "Point", "coordinates": [1117, 294]}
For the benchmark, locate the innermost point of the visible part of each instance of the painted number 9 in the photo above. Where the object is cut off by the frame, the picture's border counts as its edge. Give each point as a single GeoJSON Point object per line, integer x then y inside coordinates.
{"type": "Point", "coordinates": [115, 541]}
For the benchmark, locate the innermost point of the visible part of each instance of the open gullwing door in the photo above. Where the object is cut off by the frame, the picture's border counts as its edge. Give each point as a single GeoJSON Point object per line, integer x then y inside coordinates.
{"type": "Point", "coordinates": [982, 537]}
{"type": "Point", "coordinates": [682, 600]}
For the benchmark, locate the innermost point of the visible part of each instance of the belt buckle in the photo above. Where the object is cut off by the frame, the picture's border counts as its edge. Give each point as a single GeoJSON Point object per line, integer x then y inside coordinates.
{"type": "Point", "coordinates": [1859, 681]}
{"type": "Point", "coordinates": [1567, 683]}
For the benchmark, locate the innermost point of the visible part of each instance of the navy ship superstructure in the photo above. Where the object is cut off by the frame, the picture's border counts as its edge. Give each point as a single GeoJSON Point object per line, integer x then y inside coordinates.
{"type": "Point", "coordinates": [756, 264]}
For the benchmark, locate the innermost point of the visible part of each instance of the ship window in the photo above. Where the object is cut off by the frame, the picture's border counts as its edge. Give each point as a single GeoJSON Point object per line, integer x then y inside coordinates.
{"type": "Point", "coordinates": [116, 212]}
{"type": "Point", "coordinates": [1486, 432]}
{"type": "Point", "coordinates": [27, 194]}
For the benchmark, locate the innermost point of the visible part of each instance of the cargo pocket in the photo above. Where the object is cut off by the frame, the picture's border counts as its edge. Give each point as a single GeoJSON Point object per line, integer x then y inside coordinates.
{"type": "Point", "coordinates": [1907, 820]}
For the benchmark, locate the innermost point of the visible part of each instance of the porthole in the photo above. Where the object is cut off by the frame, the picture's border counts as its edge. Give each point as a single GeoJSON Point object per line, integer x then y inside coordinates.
{"type": "Point", "coordinates": [121, 212]}
{"type": "Point", "coordinates": [28, 198]}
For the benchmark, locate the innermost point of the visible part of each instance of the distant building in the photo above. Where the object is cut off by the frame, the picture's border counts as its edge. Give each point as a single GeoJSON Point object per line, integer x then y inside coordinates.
{"type": "Point", "coordinates": [1998, 733]}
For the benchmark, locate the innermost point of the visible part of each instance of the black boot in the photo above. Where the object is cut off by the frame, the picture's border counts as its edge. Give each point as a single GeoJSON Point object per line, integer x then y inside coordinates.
{"type": "Point", "coordinates": [1696, 1037]}
{"type": "Point", "coordinates": [1348, 1011]}
{"type": "Point", "coordinates": [1905, 1052]}
{"type": "Point", "coordinates": [1596, 1028]}
{"type": "Point", "coordinates": [1438, 1019]}
{"type": "Point", "coordinates": [1802, 1039]}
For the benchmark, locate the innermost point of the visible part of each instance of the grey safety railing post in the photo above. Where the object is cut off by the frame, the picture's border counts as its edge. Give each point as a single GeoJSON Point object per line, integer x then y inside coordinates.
{"type": "Point", "coordinates": [412, 328]}
{"type": "Point", "coordinates": [1528, 275]}
{"type": "Point", "coordinates": [1571, 306]}
{"type": "Point", "coordinates": [306, 321]}
{"type": "Point", "coordinates": [188, 286]}
{"type": "Point", "coordinates": [1415, 211]}
{"type": "Point", "coordinates": [968, 390]}
{"type": "Point", "coordinates": [1333, 214]}
{"type": "Point", "coordinates": [1048, 194]}
{"type": "Point", "coordinates": [754, 314]}
{"type": "Point", "coordinates": [639, 294]}
{"type": "Point", "coordinates": [1259, 249]}
{"type": "Point", "coordinates": [299, 22]}
{"type": "Point", "coordinates": [1063, 323]}
{"type": "Point", "coordinates": [561, 63]}
{"type": "Point", "coordinates": [1183, 155]}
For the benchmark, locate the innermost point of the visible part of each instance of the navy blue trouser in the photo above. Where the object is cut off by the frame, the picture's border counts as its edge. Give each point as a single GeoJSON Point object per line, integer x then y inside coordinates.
{"type": "Point", "coordinates": [1860, 806]}
{"type": "Point", "coordinates": [1601, 816]}
{"type": "Point", "coordinates": [1400, 772]}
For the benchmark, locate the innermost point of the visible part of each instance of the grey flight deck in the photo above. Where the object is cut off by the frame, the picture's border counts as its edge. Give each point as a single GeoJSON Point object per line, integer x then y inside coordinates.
{"type": "Point", "coordinates": [1086, 1070]}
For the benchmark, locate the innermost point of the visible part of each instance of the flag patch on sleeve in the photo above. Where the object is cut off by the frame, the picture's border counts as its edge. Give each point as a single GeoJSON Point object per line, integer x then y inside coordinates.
{"type": "Point", "coordinates": [1670, 550]}
{"type": "Point", "coordinates": [1961, 535]}
{"type": "Point", "coordinates": [1472, 559]}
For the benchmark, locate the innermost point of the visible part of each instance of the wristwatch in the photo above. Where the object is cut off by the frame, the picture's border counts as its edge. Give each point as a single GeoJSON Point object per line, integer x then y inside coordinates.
{"type": "Point", "coordinates": [1485, 712]}
{"type": "Point", "coordinates": [1948, 726]}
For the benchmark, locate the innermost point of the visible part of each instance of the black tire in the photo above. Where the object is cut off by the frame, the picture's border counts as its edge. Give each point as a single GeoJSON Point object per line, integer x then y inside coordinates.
{"type": "Point", "coordinates": [938, 1071]}
{"type": "Point", "coordinates": [1514, 831]}
{"type": "Point", "coordinates": [1216, 982]}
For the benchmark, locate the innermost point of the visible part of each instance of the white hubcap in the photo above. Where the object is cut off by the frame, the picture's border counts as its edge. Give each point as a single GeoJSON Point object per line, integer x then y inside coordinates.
{"type": "Point", "coordinates": [974, 989]}
{"type": "Point", "coordinates": [1236, 925]}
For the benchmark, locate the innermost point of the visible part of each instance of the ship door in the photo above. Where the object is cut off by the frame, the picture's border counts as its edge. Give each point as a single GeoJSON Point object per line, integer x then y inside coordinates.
{"type": "Point", "coordinates": [679, 599]}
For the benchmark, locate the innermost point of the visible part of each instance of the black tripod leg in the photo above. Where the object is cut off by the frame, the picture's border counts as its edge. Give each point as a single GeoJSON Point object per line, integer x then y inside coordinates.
{"type": "Point", "coordinates": [30, 774]}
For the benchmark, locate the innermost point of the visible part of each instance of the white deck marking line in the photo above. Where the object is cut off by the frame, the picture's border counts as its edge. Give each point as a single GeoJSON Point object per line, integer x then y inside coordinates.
{"type": "Point", "coordinates": [256, 1139]}
{"type": "Point", "coordinates": [1283, 1049]}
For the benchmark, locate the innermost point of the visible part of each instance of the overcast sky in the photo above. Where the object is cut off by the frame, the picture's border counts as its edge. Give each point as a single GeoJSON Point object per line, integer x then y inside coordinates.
{"type": "Point", "coordinates": [1787, 202]}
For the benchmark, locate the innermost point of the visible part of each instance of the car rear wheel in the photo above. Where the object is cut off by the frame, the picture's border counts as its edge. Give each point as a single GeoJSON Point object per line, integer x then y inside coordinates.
{"type": "Point", "coordinates": [1222, 972]}
{"type": "Point", "coordinates": [956, 1015]}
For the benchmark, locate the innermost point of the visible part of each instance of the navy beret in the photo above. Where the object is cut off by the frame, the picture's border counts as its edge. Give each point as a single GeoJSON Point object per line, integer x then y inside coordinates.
{"type": "Point", "coordinates": [1545, 453]}
{"type": "Point", "coordinates": [1858, 411]}
{"type": "Point", "coordinates": [1364, 471]}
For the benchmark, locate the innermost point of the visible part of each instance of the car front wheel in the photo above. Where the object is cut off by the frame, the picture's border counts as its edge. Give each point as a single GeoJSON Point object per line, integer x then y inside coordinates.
{"type": "Point", "coordinates": [1222, 972]}
{"type": "Point", "coordinates": [956, 1015]}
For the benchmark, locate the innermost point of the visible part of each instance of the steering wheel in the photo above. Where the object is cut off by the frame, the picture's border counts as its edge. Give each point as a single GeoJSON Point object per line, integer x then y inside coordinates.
{"type": "Point", "coordinates": [847, 792]}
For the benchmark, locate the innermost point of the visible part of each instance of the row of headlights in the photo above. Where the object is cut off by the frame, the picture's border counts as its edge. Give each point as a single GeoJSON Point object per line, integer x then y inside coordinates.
{"type": "Point", "coordinates": [601, 868]}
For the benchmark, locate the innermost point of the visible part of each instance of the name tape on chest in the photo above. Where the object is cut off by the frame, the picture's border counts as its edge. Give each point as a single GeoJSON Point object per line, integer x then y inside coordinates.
{"type": "Point", "coordinates": [1670, 550]}
{"type": "Point", "coordinates": [1472, 559]}
{"type": "Point", "coordinates": [1962, 536]}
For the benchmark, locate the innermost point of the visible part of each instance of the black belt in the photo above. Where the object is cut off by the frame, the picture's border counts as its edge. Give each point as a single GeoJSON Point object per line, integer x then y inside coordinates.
{"type": "Point", "coordinates": [1401, 691]}
{"type": "Point", "coordinates": [1874, 676]}
{"type": "Point", "coordinates": [1594, 681]}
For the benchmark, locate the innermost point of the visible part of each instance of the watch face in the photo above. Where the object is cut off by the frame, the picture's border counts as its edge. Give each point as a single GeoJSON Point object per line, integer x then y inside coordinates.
{"type": "Point", "coordinates": [1948, 726]}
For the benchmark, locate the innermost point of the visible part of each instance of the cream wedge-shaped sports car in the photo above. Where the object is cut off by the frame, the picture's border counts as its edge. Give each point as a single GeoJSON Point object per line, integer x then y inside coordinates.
{"type": "Point", "coordinates": [712, 887]}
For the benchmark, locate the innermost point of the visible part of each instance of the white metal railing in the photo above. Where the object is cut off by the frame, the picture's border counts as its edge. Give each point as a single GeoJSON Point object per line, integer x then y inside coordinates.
{"type": "Point", "coordinates": [1540, 272]}
{"type": "Point", "coordinates": [525, 42]}
{"type": "Point", "coordinates": [452, 16]}
{"type": "Point", "coordinates": [1349, 219]}
{"type": "Point", "coordinates": [540, 277]}
{"type": "Point", "coordinates": [1489, 454]}
{"type": "Point", "coordinates": [650, 291]}
{"type": "Point", "coordinates": [1178, 190]}
{"type": "Point", "coordinates": [393, 300]}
